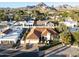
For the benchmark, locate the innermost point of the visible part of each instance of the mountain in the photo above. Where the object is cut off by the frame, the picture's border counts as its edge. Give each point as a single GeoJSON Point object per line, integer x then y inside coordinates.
{"type": "Point", "coordinates": [65, 6]}
{"type": "Point", "coordinates": [41, 5]}
{"type": "Point", "coordinates": [53, 8]}
{"type": "Point", "coordinates": [30, 6]}
{"type": "Point", "coordinates": [44, 7]}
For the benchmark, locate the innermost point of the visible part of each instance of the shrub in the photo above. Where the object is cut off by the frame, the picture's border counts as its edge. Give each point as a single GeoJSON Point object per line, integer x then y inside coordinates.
{"type": "Point", "coordinates": [47, 46]}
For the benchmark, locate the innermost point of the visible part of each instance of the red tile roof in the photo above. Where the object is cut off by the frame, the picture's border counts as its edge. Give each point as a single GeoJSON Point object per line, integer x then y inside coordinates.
{"type": "Point", "coordinates": [33, 35]}
{"type": "Point", "coordinates": [37, 32]}
{"type": "Point", "coordinates": [45, 32]}
{"type": "Point", "coordinates": [40, 29]}
{"type": "Point", "coordinates": [51, 31]}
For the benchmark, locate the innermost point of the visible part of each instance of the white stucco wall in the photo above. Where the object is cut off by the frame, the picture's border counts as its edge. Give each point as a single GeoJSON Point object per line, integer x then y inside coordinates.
{"type": "Point", "coordinates": [32, 41]}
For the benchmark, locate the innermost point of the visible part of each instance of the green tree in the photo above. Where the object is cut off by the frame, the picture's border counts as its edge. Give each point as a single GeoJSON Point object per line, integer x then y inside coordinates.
{"type": "Point", "coordinates": [16, 17]}
{"type": "Point", "coordinates": [76, 37]}
{"type": "Point", "coordinates": [39, 15]}
{"type": "Point", "coordinates": [65, 38]}
{"type": "Point", "coordinates": [62, 28]}
{"type": "Point", "coordinates": [2, 14]}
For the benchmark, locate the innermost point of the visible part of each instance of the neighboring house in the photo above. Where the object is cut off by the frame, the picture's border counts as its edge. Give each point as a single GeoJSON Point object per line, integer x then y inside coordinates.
{"type": "Point", "coordinates": [74, 29]}
{"type": "Point", "coordinates": [21, 23]}
{"type": "Point", "coordinates": [51, 23]}
{"type": "Point", "coordinates": [40, 23]}
{"type": "Point", "coordinates": [70, 23]}
{"type": "Point", "coordinates": [30, 22]}
{"type": "Point", "coordinates": [45, 23]}
{"type": "Point", "coordinates": [10, 36]}
{"type": "Point", "coordinates": [39, 34]}
{"type": "Point", "coordinates": [25, 23]}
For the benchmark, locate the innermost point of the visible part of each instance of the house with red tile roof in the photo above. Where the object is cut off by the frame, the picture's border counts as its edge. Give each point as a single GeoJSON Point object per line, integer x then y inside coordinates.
{"type": "Point", "coordinates": [37, 34]}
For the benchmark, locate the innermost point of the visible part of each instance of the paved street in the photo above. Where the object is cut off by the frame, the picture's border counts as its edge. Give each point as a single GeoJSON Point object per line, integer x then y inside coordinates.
{"type": "Point", "coordinates": [61, 51]}
{"type": "Point", "coordinates": [56, 51]}
{"type": "Point", "coordinates": [20, 52]}
{"type": "Point", "coordinates": [27, 54]}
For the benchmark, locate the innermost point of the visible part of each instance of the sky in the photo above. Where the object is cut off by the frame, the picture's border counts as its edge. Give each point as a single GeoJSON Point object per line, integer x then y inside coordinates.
{"type": "Point", "coordinates": [24, 4]}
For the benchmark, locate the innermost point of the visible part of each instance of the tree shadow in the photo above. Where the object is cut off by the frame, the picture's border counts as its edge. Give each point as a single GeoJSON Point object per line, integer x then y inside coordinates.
{"type": "Point", "coordinates": [12, 53]}
{"type": "Point", "coordinates": [54, 52]}
{"type": "Point", "coordinates": [61, 50]}
{"type": "Point", "coordinates": [57, 55]}
{"type": "Point", "coordinates": [33, 53]}
{"type": "Point", "coordinates": [72, 39]}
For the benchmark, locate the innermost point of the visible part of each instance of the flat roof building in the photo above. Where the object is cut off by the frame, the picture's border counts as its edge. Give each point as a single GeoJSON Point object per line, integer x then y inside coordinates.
{"type": "Point", "coordinates": [11, 35]}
